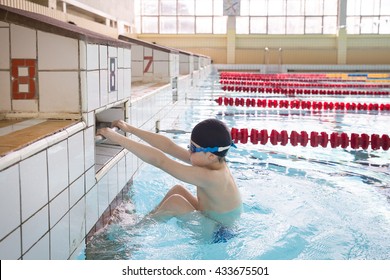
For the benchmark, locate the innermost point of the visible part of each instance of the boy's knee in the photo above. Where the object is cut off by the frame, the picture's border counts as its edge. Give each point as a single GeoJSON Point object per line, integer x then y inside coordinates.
{"type": "Point", "coordinates": [176, 198]}
{"type": "Point", "coordinates": [177, 188]}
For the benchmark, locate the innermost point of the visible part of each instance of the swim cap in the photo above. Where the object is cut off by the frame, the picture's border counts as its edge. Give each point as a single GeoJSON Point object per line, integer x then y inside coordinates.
{"type": "Point", "coordinates": [212, 133]}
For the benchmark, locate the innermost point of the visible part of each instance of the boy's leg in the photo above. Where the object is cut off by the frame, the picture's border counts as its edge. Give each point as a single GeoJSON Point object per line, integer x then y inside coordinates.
{"type": "Point", "coordinates": [174, 205]}
{"type": "Point", "coordinates": [180, 190]}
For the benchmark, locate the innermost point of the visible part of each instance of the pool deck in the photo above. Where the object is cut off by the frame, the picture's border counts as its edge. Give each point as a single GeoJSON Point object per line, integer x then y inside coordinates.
{"type": "Point", "coordinates": [17, 134]}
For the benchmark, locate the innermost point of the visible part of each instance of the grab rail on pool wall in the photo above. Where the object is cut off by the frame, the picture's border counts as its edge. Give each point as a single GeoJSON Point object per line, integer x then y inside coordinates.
{"type": "Point", "coordinates": [316, 139]}
{"type": "Point", "coordinates": [301, 104]}
{"type": "Point", "coordinates": [100, 138]}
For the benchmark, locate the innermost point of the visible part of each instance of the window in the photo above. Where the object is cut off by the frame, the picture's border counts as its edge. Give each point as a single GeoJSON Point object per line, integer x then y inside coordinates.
{"type": "Point", "coordinates": [180, 16]}
{"type": "Point", "coordinates": [287, 17]}
{"type": "Point", "coordinates": [368, 17]}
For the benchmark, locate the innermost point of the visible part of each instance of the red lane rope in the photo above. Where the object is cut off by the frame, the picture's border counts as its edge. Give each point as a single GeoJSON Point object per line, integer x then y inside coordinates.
{"type": "Point", "coordinates": [315, 139]}
{"type": "Point", "coordinates": [319, 77]}
{"type": "Point", "coordinates": [298, 84]}
{"type": "Point", "coordinates": [279, 90]}
{"type": "Point", "coordinates": [301, 104]}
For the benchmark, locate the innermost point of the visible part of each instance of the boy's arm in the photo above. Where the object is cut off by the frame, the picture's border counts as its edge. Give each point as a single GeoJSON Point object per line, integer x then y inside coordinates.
{"type": "Point", "coordinates": [156, 140]}
{"type": "Point", "coordinates": [190, 174]}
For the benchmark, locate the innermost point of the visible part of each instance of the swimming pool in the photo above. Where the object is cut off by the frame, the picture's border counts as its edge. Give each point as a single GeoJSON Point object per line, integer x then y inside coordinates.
{"type": "Point", "coordinates": [299, 202]}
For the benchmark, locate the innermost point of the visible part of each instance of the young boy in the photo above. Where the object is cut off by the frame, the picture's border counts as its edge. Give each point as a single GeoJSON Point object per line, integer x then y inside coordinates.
{"type": "Point", "coordinates": [217, 195]}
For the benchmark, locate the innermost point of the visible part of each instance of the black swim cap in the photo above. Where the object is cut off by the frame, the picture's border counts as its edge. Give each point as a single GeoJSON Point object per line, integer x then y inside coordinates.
{"type": "Point", "coordinates": [212, 133]}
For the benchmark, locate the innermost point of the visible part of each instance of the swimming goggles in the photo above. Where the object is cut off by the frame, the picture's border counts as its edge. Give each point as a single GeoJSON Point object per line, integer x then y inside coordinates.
{"type": "Point", "coordinates": [193, 149]}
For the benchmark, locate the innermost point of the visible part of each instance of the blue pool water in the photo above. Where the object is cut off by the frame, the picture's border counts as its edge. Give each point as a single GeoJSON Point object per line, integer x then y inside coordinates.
{"type": "Point", "coordinates": [299, 202]}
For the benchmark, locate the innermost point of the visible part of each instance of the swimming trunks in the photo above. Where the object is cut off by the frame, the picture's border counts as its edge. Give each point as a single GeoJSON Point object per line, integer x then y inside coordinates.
{"type": "Point", "coordinates": [223, 234]}
{"type": "Point", "coordinates": [225, 224]}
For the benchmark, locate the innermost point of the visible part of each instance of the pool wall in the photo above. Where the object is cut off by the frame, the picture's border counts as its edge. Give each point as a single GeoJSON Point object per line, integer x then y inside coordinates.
{"type": "Point", "coordinates": [52, 195]}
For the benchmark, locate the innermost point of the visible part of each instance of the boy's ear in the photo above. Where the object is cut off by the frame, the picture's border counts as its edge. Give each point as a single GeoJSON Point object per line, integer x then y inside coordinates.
{"type": "Point", "coordinates": [212, 157]}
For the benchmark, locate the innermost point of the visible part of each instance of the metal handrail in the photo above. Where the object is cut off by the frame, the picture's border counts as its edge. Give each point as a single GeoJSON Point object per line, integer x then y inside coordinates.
{"type": "Point", "coordinates": [101, 138]}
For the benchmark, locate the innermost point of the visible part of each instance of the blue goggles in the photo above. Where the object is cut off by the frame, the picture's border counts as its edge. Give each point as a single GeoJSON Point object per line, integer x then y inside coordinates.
{"type": "Point", "coordinates": [193, 149]}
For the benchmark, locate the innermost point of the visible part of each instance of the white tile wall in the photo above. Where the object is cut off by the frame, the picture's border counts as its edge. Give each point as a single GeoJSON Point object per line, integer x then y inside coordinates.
{"type": "Point", "coordinates": [9, 200]}
{"type": "Point", "coordinates": [92, 208]}
{"type": "Point", "coordinates": [120, 58]}
{"type": "Point", "coordinates": [10, 247]}
{"type": "Point", "coordinates": [57, 52]}
{"type": "Point", "coordinates": [58, 167]}
{"type": "Point", "coordinates": [59, 240]}
{"type": "Point", "coordinates": [25, 105]}
{"type": "Point", "coordinates": [93, 95]}
{"type": "Point", "coordinates": [5, 91]}
{"type": "Point", "coordinates": [122, 173]}
{"type": "Point", "coordinates": [64, 163]}
{"type": "Point", "coordinates": [103, 87]}
{"type": "Point", "coordinates": [112, 51]}
{"type": "Point", "coordinates": [137, 53]}
{"type": "Point", "coordinates": [76, 156]}
{"type": "Point", "coordinates": [76, 191]}
{"type": "Point", "coordinates": [160, 55]}
{"type": "Point", "coordinates": [33, 180]}
{"type": "Point", "coordinates": [23, 42]}
{"type": "Point", "coordinates": [89, 143]}
{"type": "Point", "coordinates": [127, 83]}
{"type": "Point", "coordinates": [39, 251]}
{"type": "Point", "coordinates": [137, 68]}
{"type": "Point", "coordinates": [92, 57]}
{"type": "Point", "coordinates": [90, 179]}
{"type": "Point", "coordinates": [130, 166]}
{"type": "Point", "coordinates": [120, 78]}
{"type": "Point", "coordinates": [59, 206]}
{"type": "Point", "coordinates": [148, 52]}
{"type": "Point", "coordinates": [77, 224]}
{"type": "Point", "coordinates": [161, 69]}
{"type": "Point", "coordinates": [113, 187]}
{"type": "Point", "coordinates": [4, 48]}
{"type": "Point", "coordinates": [82, 55]}
{"type": "Point", "coordinates": [127, 58]}
{"type": "Point", "coordinates": [34, 228]}
{"type": "Point", "coordinates": [103, 53]}
{"type": "Point", "coordinates": [103, 193]}
{"type": "Point", "coordinates": [59, 92]}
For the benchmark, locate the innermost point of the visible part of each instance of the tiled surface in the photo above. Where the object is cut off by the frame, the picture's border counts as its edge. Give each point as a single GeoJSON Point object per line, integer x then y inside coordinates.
{"type": "Point", "coordinates": [23, 42]}
{"type": "Point", "coordinates": [93, 81]}
{"type": "Point", "coordinates": [4, 48]}
{"type": "Point", "coordinates": [10, 247]}
{"type": "Point", "coordinates": [59, 92]}
{"type": "Point", "coordinates": [76, 191]}
{"type": "Point", "coordinates": [59, 240]}
{"type": "Point", "coordinates": [5, 87]}
{"type": "Point", "coordinates": [58, 168]}
{"type": "Point", "coordinates": [59, 206]}
{"type": "Point", "coordinates": [51, 187]}
{"type": "Point", "coordinates": [89, 137]}
{"type": "Point", "coordinates": [33, 184]}
{"type": "Point", "coordinates": [57, 52]}
{"type": "Point", "coordinates": [40, 251]}
{"type": "Point", "coordinates": [103, 194]}
{"type": "Point", "coordinates": [9, 200]}
{"type": "Point", "coordinates": [92, 208]}
{"type": "Point", "coordinates": [35, 130]}
{"type": "Point", "coordinates": [77, 224]}
{"type": "Point", "coordinates": [76, 156]}
{"type": "Point", "coordinates": [34, 228]}
{"type": "Point", "coordinates": [92, 57]}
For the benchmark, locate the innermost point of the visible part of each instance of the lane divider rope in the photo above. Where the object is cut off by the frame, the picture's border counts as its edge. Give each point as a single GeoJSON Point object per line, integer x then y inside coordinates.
{"type": "Point", "coordinates": [302, 104]}
{"type": "Point", "coordinates": [314, 139]}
